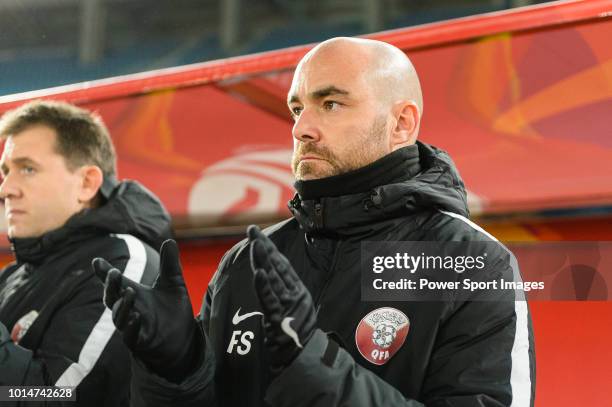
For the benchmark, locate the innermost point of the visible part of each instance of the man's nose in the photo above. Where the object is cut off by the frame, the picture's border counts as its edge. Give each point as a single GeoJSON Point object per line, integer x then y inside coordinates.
{"type": "Point", "coordinates": [306, 128]}
{"type": "Point", "coordinates": [7, 188]}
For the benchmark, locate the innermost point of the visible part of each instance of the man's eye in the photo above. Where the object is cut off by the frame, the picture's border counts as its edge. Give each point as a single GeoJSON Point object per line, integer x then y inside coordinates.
{"type": "Point", "coordinates": [330, 105]}
{"type": "Point", "coordinates": [28, 170]}
{"type": "Point", "coordinates": [295, 111]}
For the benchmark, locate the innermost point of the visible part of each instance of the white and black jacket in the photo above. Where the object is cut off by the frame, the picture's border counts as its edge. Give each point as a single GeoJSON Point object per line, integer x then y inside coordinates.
{"type": "Point", "coordinates": [457, 353]}
{"type": "Point", "coordinates": [72, 340]}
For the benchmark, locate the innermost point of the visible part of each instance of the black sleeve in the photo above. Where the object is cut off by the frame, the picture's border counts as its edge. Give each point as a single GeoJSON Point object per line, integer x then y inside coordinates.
{"type": "Point", "coordinates": [198, 389]}
{"type": "Point", "coordinates": [79, 346]}
{"type": "Point", "coordinates": [483, 357]}
{"type": "Point", "coordinates": [326, 375]}
{"type": "Point", "coordinates": [79, 349]}
{"type": "Point", "coordinates": [16, 361]}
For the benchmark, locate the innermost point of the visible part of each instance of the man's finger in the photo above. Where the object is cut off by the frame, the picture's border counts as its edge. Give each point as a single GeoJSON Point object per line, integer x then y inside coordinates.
{"type": "Point", "coordinates": [132, 330]}
{"type": "Point", "coordinates": [285, 295]}
{"type": "Point", "coordinates": [122, 308]}
{"type": "Point", "coordinates": [284, 270]}
{"type": "Point", "coordinates": [267, 298]}
{"type": "Point", "coordinates": [259, 256]}
{"type": "Point", "coordinates": [101, 268]}
{"type": "Point", "coordinates": [263, 249]}
{"type": "Point", "coordinates": [256, 234]}
{"type": "Point", "coordinates": [265, 254]}
{"type": "Point", "coordinates": [253, 232]}
{"type": "Point", "coordinates": [113, 290]}
{"type": "Point", "coordinates": [170, 271]}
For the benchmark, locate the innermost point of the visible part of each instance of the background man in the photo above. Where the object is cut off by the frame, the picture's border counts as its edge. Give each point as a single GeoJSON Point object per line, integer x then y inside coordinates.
{"type": "Point", "coordinates": [63, 206]}
{"type": "Point", "coordinates": [361, 176]}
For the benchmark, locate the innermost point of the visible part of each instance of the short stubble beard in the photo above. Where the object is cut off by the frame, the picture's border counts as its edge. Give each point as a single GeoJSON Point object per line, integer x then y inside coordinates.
{"type": "Point", "coordinates": [364, 149]}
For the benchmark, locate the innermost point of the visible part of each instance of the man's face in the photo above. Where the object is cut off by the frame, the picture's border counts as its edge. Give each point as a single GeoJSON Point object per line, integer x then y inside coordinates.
{"type": "Point", "coordinates": [340, 123]}
{"type": "Point", "coordinates": [40, 193]}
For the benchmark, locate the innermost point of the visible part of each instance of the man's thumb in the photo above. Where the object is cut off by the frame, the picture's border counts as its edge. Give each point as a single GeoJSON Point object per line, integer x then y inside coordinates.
{"type": "Point", "coordinates": [101, 268]}
{"type": "Point", "coordinates": [170, 271]}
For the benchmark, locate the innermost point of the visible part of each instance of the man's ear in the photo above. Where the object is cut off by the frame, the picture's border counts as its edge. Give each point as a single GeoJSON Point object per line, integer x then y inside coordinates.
{"type": "Point", "coordinates": [92, 178]}
{"type": "Point", "coordinates": [407, 120]}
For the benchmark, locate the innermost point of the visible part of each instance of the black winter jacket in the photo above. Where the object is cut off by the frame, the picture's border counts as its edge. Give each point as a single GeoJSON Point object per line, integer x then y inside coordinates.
{"type": "Point", "coordinates": [60, 331]}
{"type": "Point", "coordinates": [456, 353]}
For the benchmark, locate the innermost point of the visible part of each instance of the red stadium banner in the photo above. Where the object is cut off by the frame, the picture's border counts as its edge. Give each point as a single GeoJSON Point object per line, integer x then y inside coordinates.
{"type": "Point", "coordinates": [521, 100]}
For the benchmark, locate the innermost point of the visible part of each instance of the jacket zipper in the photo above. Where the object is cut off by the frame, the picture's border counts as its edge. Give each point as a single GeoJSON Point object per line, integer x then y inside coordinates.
{"type": "Point", "coordinates": [328, 277]}
{"type": "Point", "coordinates": [319, 215]}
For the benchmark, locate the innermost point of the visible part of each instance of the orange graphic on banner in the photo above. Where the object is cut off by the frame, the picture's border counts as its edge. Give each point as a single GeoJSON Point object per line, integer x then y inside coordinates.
{"type": "Point", "coordinates": [488, 73]}
{"type": "Point", "coordinates": [149, 125]}
{"type": "Point", "coordinates": [586, 87]}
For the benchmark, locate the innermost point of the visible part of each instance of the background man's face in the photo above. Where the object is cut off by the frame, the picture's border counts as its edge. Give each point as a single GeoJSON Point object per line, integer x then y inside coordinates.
{"type": "Point", "coordinates": [40, 193]}
{"type": "Point", "coordinates": [340, 124]}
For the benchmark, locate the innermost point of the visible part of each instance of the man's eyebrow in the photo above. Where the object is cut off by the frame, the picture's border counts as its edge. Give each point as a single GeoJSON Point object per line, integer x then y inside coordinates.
{"type": "Point", "coordinates": [320, 94]}
{"type": "Point", "coordinates": [22, 161]}
{"type": "Point", "coordinates": [328, 91]}
{"type": "Point", "coordinates": [293, 99]}
{"type": "Point", "coordinates": [19, 161]}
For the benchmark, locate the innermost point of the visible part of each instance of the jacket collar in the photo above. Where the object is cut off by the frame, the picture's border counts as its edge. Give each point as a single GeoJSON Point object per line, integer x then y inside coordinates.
{"type": "Point", "coordinates": [35, 250]}
{"type": "Point", "coordinates": [401, 164]}
{"type": "Point", "coordinates": [415, 178]}
{"type": "Point", "coordinates": [127, 208]}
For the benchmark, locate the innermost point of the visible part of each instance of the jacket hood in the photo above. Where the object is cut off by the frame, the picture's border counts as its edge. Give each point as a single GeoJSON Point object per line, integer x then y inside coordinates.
{"type": "Point", "coordinates": [130, 208]}
{"type": "Point", "coordinates": [432, 183]}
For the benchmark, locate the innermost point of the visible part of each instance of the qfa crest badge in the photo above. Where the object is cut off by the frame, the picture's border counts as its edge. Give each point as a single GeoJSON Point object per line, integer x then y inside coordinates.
{"type": "Point", "coordinates": [21, 327]}
{"type": "Point", "coordinates": [381, 333]}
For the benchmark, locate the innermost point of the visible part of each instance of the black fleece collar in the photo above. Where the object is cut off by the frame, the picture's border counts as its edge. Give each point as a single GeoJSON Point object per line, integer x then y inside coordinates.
{"type": "Point", "coordinates": [397, 166]}
{"type": "Point", "coordinates": [412, 179]}
{"type": "Point", "coordinates": [127, 208]}
{"type": "Point", "coordinates": [35, 250]}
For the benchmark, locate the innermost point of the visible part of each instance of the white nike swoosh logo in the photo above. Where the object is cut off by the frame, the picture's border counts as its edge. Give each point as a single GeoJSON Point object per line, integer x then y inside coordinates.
{"type": "Point", "coordinates": [290, 332]}
{"type": "Point", "coordinates": [239, 318]}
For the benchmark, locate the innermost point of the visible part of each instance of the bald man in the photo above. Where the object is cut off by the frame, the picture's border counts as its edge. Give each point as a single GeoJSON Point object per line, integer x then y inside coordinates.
{"type": "Point", "coordinates": [283, 322]}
